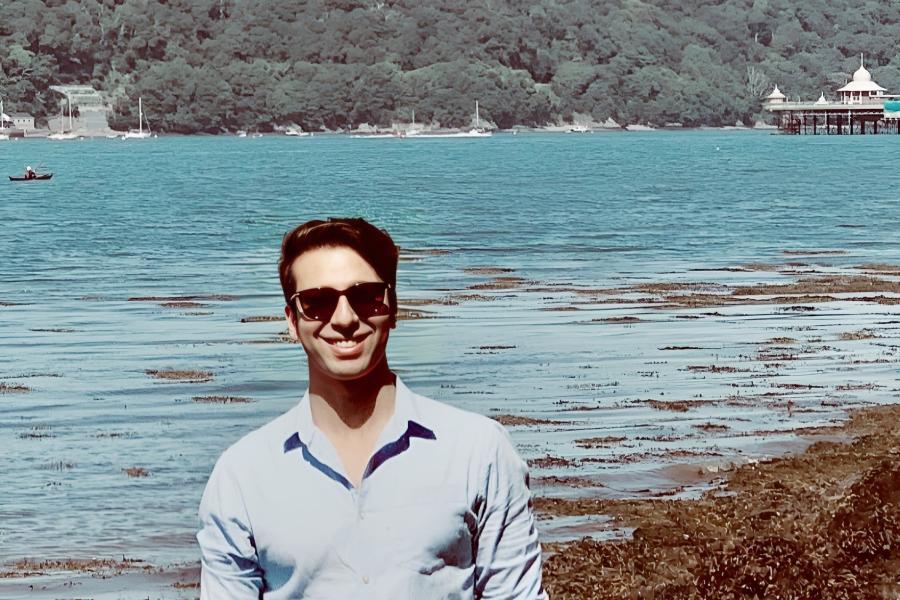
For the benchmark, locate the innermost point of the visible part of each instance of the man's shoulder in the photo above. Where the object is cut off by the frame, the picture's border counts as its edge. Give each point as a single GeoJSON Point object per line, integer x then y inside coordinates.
{"type": "Point", "coordinates": [471, 438]}
{"type": "Point", "coordinates": [264, 442]}
{"type": "Point", "coordinates": [451, 420]}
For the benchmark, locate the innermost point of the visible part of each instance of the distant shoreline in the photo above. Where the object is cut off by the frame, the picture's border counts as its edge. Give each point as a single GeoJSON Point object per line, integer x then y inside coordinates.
{"type": "Point", "coordinates": [550, 129]}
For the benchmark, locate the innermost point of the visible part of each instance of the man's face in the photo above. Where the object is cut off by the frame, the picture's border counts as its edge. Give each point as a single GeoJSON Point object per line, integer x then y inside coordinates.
{"type": "Point", "coordinates": [347, 346]}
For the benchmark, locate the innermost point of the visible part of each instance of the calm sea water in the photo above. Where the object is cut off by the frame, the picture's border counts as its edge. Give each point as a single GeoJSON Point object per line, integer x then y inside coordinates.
{"type": "Point", "coordinates": [204, 217]}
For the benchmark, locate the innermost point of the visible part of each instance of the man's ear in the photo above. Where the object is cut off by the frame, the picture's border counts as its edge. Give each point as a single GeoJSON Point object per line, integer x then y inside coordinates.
{"type": "Point", "coordinates": [291, 322]}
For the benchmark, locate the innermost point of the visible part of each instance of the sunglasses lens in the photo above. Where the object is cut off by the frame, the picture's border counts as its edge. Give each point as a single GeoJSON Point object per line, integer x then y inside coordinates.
{"type": "Point", "coordinates": [366, 300]}
{"type": "Point", "coordinates": [318, 304]}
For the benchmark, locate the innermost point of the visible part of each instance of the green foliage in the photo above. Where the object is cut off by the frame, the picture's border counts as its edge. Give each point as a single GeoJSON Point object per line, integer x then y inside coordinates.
{"type": "Point", "coordinates": [215, 65]}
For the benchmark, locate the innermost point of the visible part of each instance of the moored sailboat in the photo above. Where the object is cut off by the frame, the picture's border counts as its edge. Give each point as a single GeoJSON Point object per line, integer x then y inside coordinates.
{"type": "Point", "coordinates": [63, 135]}
{"type": "Point", "coordinates": [140, 133]}
{"type": "Point", "coordinates": [478, 130]}
{"type": "Point", "coordinates": [3, 120]}
{"type": "Point", "coordinates": [475, 132]}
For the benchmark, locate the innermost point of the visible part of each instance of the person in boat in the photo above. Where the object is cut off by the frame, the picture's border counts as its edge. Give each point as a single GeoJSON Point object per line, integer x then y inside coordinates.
{"type": "Point", "coordinates": [29, 173]}
{"type": "Point", "coordinates": [364, 489]}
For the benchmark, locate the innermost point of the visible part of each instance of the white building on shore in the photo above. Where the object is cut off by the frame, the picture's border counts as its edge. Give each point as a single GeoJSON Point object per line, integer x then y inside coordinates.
{"type": "Point", "coordinates": [88, 112]}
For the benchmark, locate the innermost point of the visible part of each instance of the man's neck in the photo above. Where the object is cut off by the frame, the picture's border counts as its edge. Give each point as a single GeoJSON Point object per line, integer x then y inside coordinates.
{"type": "Point", "coordinates": [355, 407]}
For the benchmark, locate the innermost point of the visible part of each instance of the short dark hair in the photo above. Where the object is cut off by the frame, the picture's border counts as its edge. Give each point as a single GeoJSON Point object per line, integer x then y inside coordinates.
{"type": "Point", "coordinates": [374, 245]}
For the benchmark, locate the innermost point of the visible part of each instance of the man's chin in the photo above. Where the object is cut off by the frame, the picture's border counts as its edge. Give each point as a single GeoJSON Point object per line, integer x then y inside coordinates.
{"type": "Point", "coordinates": [349, 370]}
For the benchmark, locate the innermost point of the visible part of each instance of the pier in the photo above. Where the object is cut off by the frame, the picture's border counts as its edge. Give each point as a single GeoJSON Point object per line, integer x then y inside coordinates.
{"type": "Point", "coordinates": [862, 108]}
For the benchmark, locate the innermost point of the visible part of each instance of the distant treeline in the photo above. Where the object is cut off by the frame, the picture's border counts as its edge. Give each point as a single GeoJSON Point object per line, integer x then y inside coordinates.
{"type": "Point", "coordinates": [209, 65]}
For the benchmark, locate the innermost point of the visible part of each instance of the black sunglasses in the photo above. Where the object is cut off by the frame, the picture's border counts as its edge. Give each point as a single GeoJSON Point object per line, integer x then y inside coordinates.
{"type": "Point", "coordinates": [367, 300]}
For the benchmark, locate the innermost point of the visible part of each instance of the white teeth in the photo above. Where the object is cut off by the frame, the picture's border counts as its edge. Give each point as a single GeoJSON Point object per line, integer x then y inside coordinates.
{"type": "Point", "coordinates": [345, 343]}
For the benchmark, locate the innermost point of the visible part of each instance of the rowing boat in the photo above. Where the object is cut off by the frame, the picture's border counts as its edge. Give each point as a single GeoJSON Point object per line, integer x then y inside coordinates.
{"type": "Point", "coordinates": [42, 177]}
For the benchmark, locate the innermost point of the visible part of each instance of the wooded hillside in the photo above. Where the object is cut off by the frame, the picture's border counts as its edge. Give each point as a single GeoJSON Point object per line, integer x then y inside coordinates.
{"type": "Point", "coordinates": [209, 65]}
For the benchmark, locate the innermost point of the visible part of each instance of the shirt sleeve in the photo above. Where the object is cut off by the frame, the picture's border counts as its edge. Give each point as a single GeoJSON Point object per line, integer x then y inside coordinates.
{"type": "Point", "coordinates": [508, 557]}
{"type": "Point", "coordinates": [229, 566]}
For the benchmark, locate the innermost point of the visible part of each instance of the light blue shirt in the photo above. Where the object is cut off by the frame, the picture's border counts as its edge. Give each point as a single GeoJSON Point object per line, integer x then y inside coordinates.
{"type": "Point", "coordinates": [443, 511]}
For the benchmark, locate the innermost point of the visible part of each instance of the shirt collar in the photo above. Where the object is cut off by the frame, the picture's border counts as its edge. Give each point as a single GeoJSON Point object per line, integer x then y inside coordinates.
{"type": "Point", "coordinates": [407, 420]}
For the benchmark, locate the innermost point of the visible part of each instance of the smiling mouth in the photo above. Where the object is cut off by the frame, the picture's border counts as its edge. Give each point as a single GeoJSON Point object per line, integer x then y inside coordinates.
{"type": "Point", "coordinates": [351, 343]}
{"type": "Point", "coordinates": [344, 343]}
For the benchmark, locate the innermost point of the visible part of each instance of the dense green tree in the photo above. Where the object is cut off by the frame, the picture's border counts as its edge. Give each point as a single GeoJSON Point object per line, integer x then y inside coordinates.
{"type": "Point", "coordinates": [214, 65]}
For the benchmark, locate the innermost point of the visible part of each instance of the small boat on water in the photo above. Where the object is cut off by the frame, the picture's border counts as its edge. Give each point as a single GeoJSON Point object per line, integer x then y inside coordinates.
{"type": "Point", "coordinates": [140, 134]}
{"type": "Point", "coordinates": [61, 134]}
{"type": "Point", "coordinates": [475, 132]}
{"type": "Point", "coordinates": [41, 177]}
{"type": "Point", "coordinates": [578, 129]}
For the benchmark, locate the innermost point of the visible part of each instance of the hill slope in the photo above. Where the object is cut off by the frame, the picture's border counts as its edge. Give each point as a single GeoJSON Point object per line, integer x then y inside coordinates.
{"type": "Point", "coordinates": [205, 65]}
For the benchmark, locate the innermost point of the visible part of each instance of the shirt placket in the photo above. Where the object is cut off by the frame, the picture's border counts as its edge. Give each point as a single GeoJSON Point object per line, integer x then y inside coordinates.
{"type": "Point", "coordinates": [351, 551]}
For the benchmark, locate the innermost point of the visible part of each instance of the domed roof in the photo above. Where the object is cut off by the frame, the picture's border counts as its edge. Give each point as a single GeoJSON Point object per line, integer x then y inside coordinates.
{"type": "Point", "coordinates": [862, 74]}
{"type": "Point", "coordinates": [776, 95]}
{"type": "Point", "coordinates": [822, 99]}
{"type": "Point", "coordinates": [862, 81]}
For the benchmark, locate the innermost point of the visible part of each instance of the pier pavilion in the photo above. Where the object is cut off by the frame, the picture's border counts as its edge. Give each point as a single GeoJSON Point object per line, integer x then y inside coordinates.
{"type": "Point", "coordinates": [859, 109]}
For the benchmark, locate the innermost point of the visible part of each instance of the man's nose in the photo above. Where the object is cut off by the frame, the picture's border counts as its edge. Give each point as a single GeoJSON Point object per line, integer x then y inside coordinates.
{"type": "Point", "coordinates": [344, 316]}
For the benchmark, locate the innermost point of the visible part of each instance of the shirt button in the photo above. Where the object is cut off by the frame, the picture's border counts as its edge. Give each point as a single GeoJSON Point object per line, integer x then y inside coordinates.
{"type": "Point", "coordinates": [365, 579]}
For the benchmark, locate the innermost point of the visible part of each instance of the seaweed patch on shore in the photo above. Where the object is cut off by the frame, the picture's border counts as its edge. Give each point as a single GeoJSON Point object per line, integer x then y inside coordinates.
{"type": "Point", "coordinates": [13, 388]}
{"type": "Point", "coordinates": [182, 375]}
{"type": "Point", "coordinates": [864, 334]}
{"type": "Point", "coordinates": [519, 420]}
{"type": "Point", "coordinates": [500, 283]}
{"type": "Point", "coordinates": [677, 405]}
{"type": "Point", "coordinates": [99, 567]}
{"type": "Point", "coordinates": [136, 472]}
{"type": "Point", "coordinates": [822, 524]}
{"type": "Point", "coordinates": [407, 314]}
{"type": "Point", "coordinates": [183, 304]}
{"type": "Point", "coordinates": [549, 461]}
{"type": "Point", "coordinates": [189, 298]}
{"type": "Point", "coordinates": [813, 252]}
{"type": "Point", "coordinates": [600, 442]}
{"type": "Point", "coordinates": [625, 319]}
{"type": "Point", "coordinates": [809, 287]}
{"type": "Point", "coordinates": [262, 319]}
{"type": "Point", "coordinates": [488, 270]}
{"type": "Point", "coordinates": [115, 435]}
{"type": "Point", "coordinates": [38, 432]}
{"type": "Point", "coordinates": [222, 399]}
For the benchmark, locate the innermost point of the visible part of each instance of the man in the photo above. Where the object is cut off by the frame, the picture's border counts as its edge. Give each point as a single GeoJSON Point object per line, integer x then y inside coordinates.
{"type": "Point", "coordinates": [364, 489]}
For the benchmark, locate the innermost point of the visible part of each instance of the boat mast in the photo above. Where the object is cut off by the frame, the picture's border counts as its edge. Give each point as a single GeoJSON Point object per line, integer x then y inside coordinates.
{"type": "Point", "coordinates": [69, 102]}
{"type": "Point", "coordinates": [140, 116]}
{"type": "Point", "coordinates": [477, 120]}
